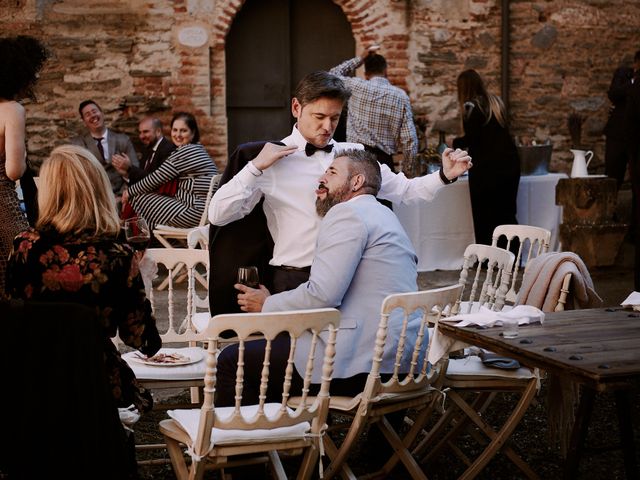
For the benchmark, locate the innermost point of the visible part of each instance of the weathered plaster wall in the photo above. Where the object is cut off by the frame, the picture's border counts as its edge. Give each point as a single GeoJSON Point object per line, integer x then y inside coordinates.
{"type": "Point", "coordinates": [126, 55]}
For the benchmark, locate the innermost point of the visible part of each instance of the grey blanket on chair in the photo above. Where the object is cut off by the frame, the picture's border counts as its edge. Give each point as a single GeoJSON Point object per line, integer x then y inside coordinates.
{"type": "Point", "coordinates": [543, 279]}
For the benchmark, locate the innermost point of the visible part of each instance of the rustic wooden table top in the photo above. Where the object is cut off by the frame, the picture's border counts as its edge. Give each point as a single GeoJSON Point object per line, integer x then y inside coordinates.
{"type": "Point", "coordinates": [596, 347]}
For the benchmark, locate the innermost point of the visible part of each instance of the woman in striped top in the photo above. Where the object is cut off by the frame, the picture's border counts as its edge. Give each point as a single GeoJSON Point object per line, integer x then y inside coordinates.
{"type": "Point", "coordinates": [193, 168]}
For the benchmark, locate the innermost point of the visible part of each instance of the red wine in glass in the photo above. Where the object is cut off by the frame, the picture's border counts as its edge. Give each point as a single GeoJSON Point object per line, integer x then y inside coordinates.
{"type": "Point", "coordinates": [249, 276]}
{"type": "Point", "coordinates": [137, 232]}
{"type": "Point", "coordinates": [139, 242]}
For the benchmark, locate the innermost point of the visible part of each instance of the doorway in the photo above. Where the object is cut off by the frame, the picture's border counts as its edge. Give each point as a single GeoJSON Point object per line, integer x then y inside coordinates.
{"type": "Point", "coordinates": [271, 45]}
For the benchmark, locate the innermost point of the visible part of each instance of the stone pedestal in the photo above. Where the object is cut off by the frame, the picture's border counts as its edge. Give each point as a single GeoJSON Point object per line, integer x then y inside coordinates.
{"type": "Point", "coordinates": [588, 228]}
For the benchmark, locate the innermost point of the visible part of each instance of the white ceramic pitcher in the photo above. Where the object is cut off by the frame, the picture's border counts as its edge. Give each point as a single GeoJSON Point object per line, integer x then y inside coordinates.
{"type": "Point", "coordinates": [581, 160]}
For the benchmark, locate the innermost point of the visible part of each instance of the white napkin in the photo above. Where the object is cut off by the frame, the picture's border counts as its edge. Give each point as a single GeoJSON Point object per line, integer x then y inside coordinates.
{"type": "Point", "coordinates": [488, 318]}
{"type": "Point", "coordinates": [441, 344]}
{"type": "Point", "coordinates": [632, 300]}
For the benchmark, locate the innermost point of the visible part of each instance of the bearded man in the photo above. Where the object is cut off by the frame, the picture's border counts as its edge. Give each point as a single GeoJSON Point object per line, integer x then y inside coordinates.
{"type": "Point", "coordinates": [362, 255]}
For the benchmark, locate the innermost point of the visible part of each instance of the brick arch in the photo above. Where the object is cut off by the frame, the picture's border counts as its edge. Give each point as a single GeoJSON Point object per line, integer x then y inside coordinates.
{"type": "Point", "coordinates": [364, 24]}
{"type": "Point", "coordinates": [372, 21]}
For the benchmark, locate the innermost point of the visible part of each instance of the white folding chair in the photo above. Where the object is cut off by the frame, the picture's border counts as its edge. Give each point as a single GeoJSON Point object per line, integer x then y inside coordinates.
{"type": "Point", "coordinates": [409, 386]}
{"type": "Point", "coordinates": [216, 437]}
{"type": "Point", "coordinates": [172, 237]}
{"type": "Point", "coordinates": [174, 308]}
{"type": "Point", "coordinates": [532, 242]}
{"type": "Point", "coordinates": [472, 386]}
{"type": "Point", "coordinates": [490, 265]}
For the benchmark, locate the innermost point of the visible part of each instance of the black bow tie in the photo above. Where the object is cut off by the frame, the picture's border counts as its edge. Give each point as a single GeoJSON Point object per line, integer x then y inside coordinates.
{"type": "Point", "coordinates": [310, 149]}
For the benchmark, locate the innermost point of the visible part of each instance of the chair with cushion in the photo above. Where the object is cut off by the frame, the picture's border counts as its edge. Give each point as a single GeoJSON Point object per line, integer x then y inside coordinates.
{"type": "Point", "coordinates": [471, 385]}
{"type": "Point", "coordinates": [217, 438]}
{"type": "Point", "coordinates": [531, 241]}
{"type": "Point", "coordinates": [488, 269]}
{"type": "Point", "coordinates": [411, 385]}
{"type": "Point", "coordinates": [174, 310]}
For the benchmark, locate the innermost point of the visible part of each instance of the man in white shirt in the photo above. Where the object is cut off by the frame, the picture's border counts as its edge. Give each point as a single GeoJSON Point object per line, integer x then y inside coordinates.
{"type": "Point", "coordinates": [284, 175]}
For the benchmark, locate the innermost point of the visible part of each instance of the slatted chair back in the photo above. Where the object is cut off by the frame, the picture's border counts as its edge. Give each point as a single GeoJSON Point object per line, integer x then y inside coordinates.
{"type": "Point", "coordinates": [532, 241]}
{"type": "Point", "coordinates": [174, 310]}
{"type": "Point", "coordinates": [402, 341]}
{"type": "Point", "coordinates": [490, 265]}
{"type": "Point", "coordinates": [179, 322]}
{"type": "Point", "coordinates": [206, 434]}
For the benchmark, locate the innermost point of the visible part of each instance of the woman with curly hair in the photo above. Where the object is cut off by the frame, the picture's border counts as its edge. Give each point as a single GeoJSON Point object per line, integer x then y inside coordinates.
{"type": "Point", "coordinates": [76, 255]}
{"type": "Point", "coordinates": [22, 59]}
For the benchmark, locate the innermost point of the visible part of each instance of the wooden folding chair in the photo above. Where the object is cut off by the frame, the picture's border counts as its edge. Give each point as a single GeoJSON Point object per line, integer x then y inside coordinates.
{"type": "Point", "coordinates": [472, 387]}
{"type": "Point", "coordinates": [532, 241]}
{"type": "Point", "coordinates": [215, 437]}
{"type": "Point", "coordinates": [176, 309]}
{"type": "Point", "coordinates": [490, 265]}
{"type": "Point", "coordinates": [411, 382]}
{"type": "Point", "coordinates": [172, 237]}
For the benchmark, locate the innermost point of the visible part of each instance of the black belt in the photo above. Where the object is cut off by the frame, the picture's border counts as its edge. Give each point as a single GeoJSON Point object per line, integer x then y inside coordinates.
{"type": "Point", "coordinates": [287, 268]}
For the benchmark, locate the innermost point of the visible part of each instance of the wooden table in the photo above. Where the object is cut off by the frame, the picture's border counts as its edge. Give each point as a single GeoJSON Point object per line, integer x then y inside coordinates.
{"type": "Point", "coordinates": [597, 348]}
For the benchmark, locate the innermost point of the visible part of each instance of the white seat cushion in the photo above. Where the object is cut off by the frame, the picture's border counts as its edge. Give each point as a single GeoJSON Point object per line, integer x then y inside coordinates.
{"type": "Point", "coordinates": [472, 367]}
{"type": "Point", "coordinates": [192, 371]}
{"type": "Point", "coordinates": [189, 420]}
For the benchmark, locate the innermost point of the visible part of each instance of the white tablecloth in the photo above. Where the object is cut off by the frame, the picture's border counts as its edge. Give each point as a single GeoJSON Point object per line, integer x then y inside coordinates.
{"type": "Point", "coordinates": [442, 229]}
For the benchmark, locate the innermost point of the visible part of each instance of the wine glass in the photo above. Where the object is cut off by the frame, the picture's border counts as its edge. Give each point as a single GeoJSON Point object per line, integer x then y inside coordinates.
{"type": "Point", "coordinates": [137, 232]}
{"type": "Point", "coordinates": [249, 276]}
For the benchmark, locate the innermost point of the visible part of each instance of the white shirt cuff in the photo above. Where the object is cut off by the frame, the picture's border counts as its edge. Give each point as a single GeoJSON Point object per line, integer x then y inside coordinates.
{"type": "Point", "coordinates": [255, 171]}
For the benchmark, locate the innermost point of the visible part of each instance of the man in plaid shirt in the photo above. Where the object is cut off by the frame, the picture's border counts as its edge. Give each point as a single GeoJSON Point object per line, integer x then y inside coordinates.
{"type": "Point", "coordinates": [380, 116]}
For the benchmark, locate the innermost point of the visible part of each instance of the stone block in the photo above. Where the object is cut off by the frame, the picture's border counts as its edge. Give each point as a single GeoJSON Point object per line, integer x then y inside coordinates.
{"type": "Point", "coordinates": [587, 200]}
{"type": "Point", "coordinates": [597, 245]}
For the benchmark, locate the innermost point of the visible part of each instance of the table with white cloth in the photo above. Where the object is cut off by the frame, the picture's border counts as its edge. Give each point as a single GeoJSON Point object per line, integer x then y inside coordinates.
{"type": "Point", "coordinates": [440, 230]}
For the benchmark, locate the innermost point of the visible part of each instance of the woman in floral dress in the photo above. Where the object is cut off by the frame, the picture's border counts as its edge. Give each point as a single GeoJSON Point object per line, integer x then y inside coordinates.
{"type": "Point", "coordinates": [75, 255]}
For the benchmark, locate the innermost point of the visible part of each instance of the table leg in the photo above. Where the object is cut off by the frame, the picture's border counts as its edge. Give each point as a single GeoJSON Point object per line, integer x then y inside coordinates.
{"type": "Point", "coordinates": [623, 408]}
{"type": "Point", "coordinates": [579, 432]}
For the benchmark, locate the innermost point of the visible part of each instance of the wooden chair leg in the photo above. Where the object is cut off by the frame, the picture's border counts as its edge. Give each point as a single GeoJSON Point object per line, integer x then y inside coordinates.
{"type": "Point", "coordinates": [410, 436]}
{"type": "Point", "coordinates": [452, 416]}
{"type": "Point", "coordinates": [400, 451]}
{"type": "Point", "coordinates": [356, 428]}
{"type": "Point", "coordinates": [497, 438]}
{"type": "Point", "coordinates": [309, 463]}
{"type": "Point", "coordinates": [332, 452]}
{"type": "Point", "coordinates": [276, 465]}
{"type": "Point", "coordinates": [177, 458]}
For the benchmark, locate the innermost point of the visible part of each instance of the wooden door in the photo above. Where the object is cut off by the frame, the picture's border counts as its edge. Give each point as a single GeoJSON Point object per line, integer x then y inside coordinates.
{"type": "Point", "coordinates": [271, 45]}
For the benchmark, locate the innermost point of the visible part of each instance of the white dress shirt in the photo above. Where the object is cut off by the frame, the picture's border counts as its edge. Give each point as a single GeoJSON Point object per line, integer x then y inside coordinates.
{"type": "Point", "coordinates": [288, 187]}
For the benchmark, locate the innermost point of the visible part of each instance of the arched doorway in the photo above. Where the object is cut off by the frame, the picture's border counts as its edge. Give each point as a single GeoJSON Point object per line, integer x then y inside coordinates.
{"type": "Point", "coordinates": [271, 45]}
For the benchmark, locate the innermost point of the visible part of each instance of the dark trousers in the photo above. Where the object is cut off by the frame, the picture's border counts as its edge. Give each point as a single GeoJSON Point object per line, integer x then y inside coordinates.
{"type": "Point", "coordinates": [616, 156]}
{"type": "Point", "coordinates": [386, 159]}
{"type": "Point", "coordinates": [284, 280]}
{"type": "Point", "coordinates": [253, 360]}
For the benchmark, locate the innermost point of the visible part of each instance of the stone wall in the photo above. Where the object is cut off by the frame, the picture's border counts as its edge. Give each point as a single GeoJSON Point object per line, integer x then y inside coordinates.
{"type": "Point", "coordinates": [157, 56]}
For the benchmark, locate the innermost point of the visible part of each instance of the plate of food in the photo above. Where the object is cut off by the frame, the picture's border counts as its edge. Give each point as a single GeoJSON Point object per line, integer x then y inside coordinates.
{"type": "Point", "coordinates": [167, 358]}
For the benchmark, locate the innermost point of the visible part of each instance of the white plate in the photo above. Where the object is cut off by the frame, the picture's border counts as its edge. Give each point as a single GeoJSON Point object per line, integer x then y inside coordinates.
{"type": "Point", "coordinates": [192, 358]}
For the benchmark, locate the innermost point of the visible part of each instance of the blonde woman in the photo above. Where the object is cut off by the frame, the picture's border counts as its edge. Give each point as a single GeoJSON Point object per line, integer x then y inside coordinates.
{"type": "Point", "coordinates": [494, 178]}
{"type": "Point", "coordinates": [75, 255]}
